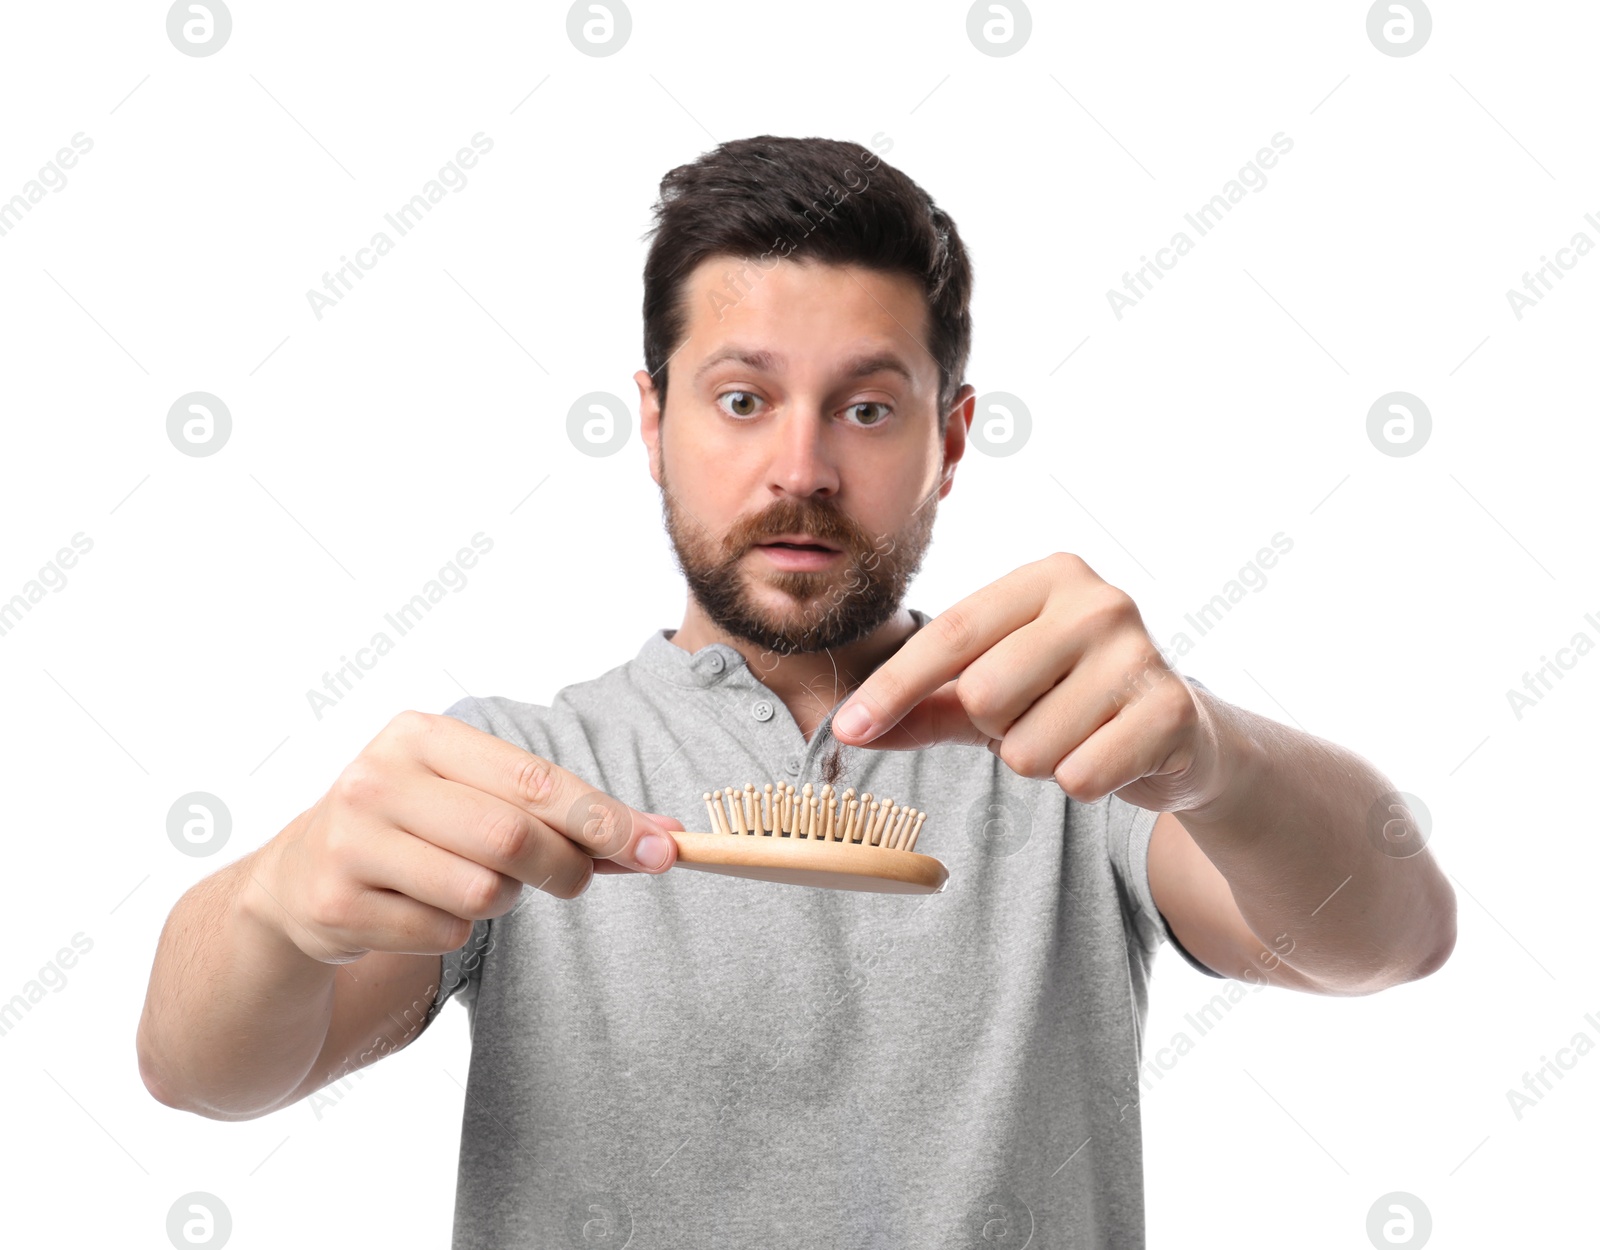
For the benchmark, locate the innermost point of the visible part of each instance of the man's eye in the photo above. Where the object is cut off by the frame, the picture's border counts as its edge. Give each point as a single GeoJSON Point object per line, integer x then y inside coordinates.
{"type": "Point", "coordinates": [866, 418]}
{"type": "Point", "coordinates": [744, 403]}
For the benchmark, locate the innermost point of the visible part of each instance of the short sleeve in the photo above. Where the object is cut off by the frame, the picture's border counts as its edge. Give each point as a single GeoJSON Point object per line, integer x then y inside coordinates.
{"type": "Point", "coordinates": [487, 715]}
{"type": "Point", "coordinates": [1128, 830]}
{"type": "Point", "coordinates": [460, 973]}
{"type": "Point", "coordinates": [1128, 845]}
{"type": "Point", "coordinates": [461, 967]}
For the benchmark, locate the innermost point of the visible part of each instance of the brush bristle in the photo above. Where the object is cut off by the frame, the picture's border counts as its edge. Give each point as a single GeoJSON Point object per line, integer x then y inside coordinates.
{"type": "Point", "coordinates": [778, 810]}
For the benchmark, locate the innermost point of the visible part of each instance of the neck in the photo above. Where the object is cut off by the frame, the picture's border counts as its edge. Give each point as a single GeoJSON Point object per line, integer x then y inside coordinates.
{"type": "Point", "coordinates": [811, 684]}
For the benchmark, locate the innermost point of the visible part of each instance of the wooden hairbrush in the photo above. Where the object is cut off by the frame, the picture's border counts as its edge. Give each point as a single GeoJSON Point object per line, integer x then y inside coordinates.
{"type": "Point", "coordinates": [838, 842]}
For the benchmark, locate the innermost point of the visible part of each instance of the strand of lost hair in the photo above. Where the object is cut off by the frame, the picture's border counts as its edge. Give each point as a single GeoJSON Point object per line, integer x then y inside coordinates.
{"type": "Point", "coordinates": [782, 811]}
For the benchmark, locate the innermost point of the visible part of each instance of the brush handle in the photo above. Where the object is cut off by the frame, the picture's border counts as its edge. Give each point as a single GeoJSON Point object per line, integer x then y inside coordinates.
{"type": "Point", "coordinates": [813, 862]}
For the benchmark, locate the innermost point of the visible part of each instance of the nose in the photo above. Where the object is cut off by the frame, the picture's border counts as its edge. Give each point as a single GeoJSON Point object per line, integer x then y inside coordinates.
{"type": "Point", "coordinates": [803, 461]}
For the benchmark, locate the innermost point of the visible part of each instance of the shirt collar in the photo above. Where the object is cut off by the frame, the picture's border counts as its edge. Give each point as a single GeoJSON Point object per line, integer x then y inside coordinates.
{"type": "Point", "coordinates": [713, 664]}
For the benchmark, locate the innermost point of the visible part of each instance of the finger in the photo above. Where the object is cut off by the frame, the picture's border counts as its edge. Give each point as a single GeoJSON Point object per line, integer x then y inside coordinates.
{"type": "Point", "coordinates": [939, 651]}
{"type": "Point", "coordinates": [1010, 677]}
{"type": "Point", "coordinates": [938, 718]}
{"type": "Point", "coordinates": [1061, 723]}
{"type": "Point", "coordinates": [603, 826]}
{"type": "Point", "coordinates": [395, 859]}
{"type": "Point", "coordinates": [381, 921]}
{"type": "Point", "coordinates": [611, 830]}
{"type": "Point", "coordinates": [1126, 747]}
{"type": "Point", "coordinates": [483, 830]}
{"type": "Point", "coordinates": [1119, 753]}
{"type": "Point", "coordinates": [611, 866]}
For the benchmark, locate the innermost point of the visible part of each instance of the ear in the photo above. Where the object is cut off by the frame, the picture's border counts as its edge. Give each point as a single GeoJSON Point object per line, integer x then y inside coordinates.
{"type": "Point", "coordinates": [955, 434]}
{"type": "Point", "coordinates": [650, 421]}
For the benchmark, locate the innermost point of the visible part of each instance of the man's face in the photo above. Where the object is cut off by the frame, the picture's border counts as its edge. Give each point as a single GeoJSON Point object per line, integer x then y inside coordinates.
{"type": "Point", "coordinates": [800, 461]}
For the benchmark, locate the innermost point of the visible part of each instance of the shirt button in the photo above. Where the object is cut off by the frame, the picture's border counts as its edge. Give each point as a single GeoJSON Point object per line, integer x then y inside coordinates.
{"type": "Point", "coordinates": [715, 662]}
{"type": "Point", "coordinates": [762, 711]}
{"type": "Point", "coordinates": [792, 767]}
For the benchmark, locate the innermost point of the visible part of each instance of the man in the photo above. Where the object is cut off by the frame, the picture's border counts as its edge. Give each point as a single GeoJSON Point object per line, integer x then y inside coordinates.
{"type": "Point", "coordinates": [695, 1059]}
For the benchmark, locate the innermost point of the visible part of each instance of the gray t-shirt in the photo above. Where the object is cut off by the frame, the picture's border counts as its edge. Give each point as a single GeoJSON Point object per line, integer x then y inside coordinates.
{"type": "Point", "coordinates": [692, 1060]}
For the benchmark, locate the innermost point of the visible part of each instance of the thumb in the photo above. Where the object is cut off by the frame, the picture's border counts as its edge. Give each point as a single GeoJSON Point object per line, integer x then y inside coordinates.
{"type": "Point", "coordinates": [649, 849]}
{"type": "Point", "coordinates": [656, 850]}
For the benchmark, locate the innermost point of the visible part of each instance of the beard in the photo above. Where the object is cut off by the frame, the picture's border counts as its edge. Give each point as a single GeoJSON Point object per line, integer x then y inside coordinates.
{"type": "Point", "coordinates": [828, 608]}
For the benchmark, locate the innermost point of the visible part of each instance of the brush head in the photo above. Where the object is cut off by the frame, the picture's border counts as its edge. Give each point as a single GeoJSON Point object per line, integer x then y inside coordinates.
{"type": "Point", "coordinates": [815, 838]}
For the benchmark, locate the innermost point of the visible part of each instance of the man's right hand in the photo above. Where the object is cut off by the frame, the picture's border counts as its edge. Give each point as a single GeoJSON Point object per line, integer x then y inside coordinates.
{"type": "Point", "coordinates": [437, 824]}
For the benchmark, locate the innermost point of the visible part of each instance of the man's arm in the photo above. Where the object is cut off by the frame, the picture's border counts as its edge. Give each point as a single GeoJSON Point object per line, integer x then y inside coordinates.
{"type": "Point", "coordinates": [238, 1022]}
{"type": "Point", "coordinates": [321, 952]}
{"type": "Point", "coordinates": [1053, 670]}
{"type": "Point", "coordinates": [1301, 872]}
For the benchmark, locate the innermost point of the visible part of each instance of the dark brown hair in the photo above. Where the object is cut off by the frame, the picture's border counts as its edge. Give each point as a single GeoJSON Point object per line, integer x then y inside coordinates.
{"type": "Point", "coordinates": [772, 197]}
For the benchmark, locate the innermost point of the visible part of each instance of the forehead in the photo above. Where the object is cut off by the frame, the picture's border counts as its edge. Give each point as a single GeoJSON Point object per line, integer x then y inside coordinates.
{"type": "Point", "coordinates": [804, 309]}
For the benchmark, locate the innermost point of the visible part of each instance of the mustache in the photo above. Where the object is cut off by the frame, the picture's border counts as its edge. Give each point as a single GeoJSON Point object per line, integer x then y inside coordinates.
{"type": "Point", "coordinates": [794, 516]}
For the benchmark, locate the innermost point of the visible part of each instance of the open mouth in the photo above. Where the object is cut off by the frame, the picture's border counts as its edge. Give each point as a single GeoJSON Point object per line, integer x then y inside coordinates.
{"type": "Point", "coordinates": [798, 553]}
{"type": "Point", "coordinates": [799, 541]}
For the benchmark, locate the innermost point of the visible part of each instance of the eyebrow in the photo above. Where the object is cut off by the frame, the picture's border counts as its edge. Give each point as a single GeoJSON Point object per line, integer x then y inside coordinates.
{"type": "Point", "coordinates": [772, 362]}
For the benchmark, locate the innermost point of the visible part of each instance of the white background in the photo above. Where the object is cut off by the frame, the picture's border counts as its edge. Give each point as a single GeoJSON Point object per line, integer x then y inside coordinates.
{"type": "Point", "coordinates": [369, 445]}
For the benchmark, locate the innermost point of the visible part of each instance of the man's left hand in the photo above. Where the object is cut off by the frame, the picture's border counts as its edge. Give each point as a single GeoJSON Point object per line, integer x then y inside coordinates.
{"type": "Point", "coordinates": [1052, 669]}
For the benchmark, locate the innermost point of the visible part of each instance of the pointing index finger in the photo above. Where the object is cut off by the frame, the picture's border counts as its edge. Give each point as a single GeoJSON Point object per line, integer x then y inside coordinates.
{"type": "Point", "coordinates": [934, 655]}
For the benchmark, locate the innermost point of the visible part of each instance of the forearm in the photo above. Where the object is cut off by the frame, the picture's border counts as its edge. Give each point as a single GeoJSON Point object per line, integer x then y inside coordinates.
{"type": "Point", "coordinates": [1297, 832]}
{"type": "Point", "coordinates": [235, 1015]}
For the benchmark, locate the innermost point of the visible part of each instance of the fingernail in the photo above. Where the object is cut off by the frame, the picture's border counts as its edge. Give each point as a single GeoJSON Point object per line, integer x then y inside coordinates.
{"type": "Point", "coordinates": [652, 850]}
{"type": "Point", "coordinates": [853, 721]}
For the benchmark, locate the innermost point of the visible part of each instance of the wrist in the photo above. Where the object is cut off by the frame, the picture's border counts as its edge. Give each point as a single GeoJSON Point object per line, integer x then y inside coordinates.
{"type": "Point", "coordinates": [1241, 763]}
{"type": "Point", "coordinates": [261, 904]}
